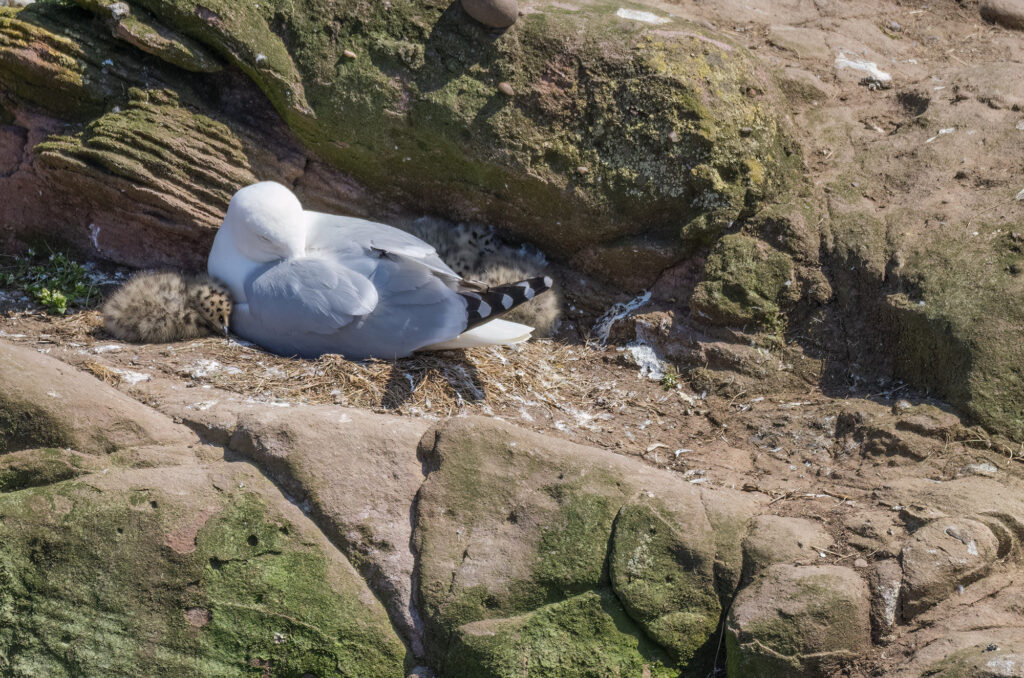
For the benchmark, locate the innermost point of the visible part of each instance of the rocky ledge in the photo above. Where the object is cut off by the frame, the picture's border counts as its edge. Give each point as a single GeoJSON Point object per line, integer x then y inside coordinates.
{"type": "Point", "coordinates": [232, 537]}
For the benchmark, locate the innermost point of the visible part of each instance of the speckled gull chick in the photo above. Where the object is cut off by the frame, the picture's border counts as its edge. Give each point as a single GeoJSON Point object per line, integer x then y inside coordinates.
{"type": "Point", "coordinates": [306, 283]}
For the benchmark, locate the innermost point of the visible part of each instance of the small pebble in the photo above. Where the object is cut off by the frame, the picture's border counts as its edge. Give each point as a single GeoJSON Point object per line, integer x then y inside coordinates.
{"type": "Point", "coordinates": [673, 136]}
{"type": "Point", "coordinates": [349, 54]}
{"type": "Point", "coordinates": [895, 27]}
{"type": "Point", "coordinates": [493, 13]}
{"type": "Point", "coordinates": [582, 170]}
{"type": "Point", "coordinates": [506, 89]}
{"type": "Point", "coordinates": [860, 562]}
{"type": "Point", "coordinates": [901, 405]}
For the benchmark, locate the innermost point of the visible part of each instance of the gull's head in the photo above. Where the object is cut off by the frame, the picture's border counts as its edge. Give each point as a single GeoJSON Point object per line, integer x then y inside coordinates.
{"type": "Point", "coordinates": [267, 222]}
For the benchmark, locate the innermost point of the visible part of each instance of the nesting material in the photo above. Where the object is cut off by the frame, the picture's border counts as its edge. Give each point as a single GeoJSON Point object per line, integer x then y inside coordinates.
{"type": "Point", "coordinates": [159, 307]}
{"type": "Point", "coordinates": [540, 376]}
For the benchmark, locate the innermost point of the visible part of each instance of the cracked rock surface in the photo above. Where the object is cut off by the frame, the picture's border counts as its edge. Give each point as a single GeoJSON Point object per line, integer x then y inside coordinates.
{"type": "Point", "coordinates": [230, 536]}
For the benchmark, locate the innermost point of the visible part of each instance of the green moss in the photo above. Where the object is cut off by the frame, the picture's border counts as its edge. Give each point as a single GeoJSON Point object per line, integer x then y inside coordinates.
{"type": "Point", "coordinates": [573, 547]}
{"type": "Point", "coordinates": [959, 331]}
{"type": "Point", "coordinates": [23, 426]}
{"type": "Point", "coordinates": [33, 468]}
{"type": "Point", "coordinates": [746, 282]}
{"type": "Point", "coordinates": [615, 130]}
{"type": "Point", "coordinates": [43, 67]}
{"type": "Point", "coordinates": [568, 558]}
{"type": "Point", "coordinates": [155, 142]}
{"type": "Point", "coordinates": [586, 636]}
{"type": "Point", "coordinates": [260, 587]}
{"type": "Point", "coordinates": [138, 28]}
{"type": "Point", "coordinates": [666, 128]}
{"type": "Point", "coordinates": [664, 585]}
{"type": "Point", "coordinates": [54, 55]}
{"type": "Point", "coordinates": [92, 583]}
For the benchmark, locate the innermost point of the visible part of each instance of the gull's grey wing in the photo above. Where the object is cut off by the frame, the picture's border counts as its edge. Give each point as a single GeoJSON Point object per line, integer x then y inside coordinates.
{"type": "Point", "coordinates": [314, 305]}
{"type": "Point", "coordinates": [309, 295]}
{"type": "Point", "coordinates": [339, 234]}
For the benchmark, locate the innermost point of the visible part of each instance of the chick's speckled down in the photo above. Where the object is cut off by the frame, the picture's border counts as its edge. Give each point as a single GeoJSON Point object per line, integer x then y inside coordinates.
{"type": "Point", "coordinates": [160, 307]}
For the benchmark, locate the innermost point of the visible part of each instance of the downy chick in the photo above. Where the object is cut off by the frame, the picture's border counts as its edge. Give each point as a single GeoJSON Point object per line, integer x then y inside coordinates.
{"type": "Point", "coordinates": [503, 267]}
{"type": "Point", "coordinates": [474, 252]}
{"type": "Point", "coordinates": [160, 307]}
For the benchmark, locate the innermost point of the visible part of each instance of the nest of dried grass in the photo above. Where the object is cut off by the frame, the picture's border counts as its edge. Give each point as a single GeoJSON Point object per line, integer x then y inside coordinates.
{"type": "Point", "coordinates": [441, 383]}
{"type": "Point", "coordinates": [542, 373]}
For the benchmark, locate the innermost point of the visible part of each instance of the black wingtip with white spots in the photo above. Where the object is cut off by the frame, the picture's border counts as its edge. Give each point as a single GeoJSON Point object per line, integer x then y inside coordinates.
{"type": "Point", "coordinates": [494, 301]}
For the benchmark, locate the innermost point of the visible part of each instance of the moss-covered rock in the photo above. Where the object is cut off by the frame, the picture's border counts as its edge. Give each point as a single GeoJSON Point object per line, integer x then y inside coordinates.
{"type": "Point", "coordinates": [664, 582]}
{"type": "Point", "coordinates": [798, 621]}
{"type": "Point", "coordinates": [43, 67]}
{"type": "Point", "coordinates": [154, 146]}
{"type": "Point", "coordinates": [572, 520]}
{"type": "Point", "coordinates": [55, 56]}
{"type": "Point", "coordinates": [184, 572]}
{"type": "Point", "coordinates": [960, 326]}
{"type": "Point", "coordinates": [33, 468]}
{"type": "Point", "coordinates": [137, 27]}
{"type": "Point", "coordinates": [489, 548]}
{"type": "Point", "coordinates": [586, 636]}
{"type": "Point", "coordinates": [615, 129]}
{"type": "Point", "coordinates": [746, 282]}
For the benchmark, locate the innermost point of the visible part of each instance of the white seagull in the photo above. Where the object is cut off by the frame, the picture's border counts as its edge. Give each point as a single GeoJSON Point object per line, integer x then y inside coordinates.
{"type": "Point", "coordinates": [306, 283]}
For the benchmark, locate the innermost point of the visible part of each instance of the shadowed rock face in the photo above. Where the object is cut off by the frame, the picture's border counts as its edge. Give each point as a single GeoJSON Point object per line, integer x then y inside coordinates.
{"type": "Point", "coordinates": [618, 138]}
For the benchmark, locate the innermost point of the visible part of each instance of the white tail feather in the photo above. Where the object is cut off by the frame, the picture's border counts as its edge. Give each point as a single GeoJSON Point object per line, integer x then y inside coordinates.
{"type": "Point", "coordinates": [496, 331]}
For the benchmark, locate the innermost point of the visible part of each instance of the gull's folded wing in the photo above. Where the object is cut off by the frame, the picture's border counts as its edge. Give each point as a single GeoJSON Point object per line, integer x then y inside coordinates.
{"type": "Point", "coordinates": [309, 295]}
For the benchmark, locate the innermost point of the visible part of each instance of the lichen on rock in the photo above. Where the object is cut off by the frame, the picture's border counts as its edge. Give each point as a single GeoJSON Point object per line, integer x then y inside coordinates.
{"type": "Point", "coordinates": [666, 125]}
{"type": "Point", "coordinates": [577, 520]}
{"type": "Point", "coordinates": [746, 282]}
{"type": "Point", "coordinates": [585, 636]}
